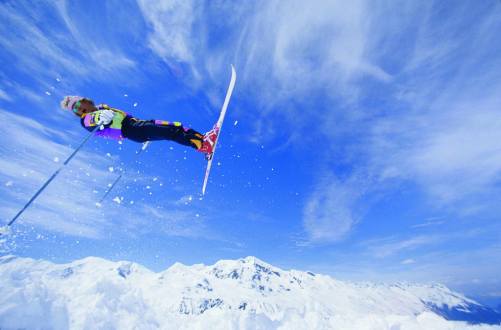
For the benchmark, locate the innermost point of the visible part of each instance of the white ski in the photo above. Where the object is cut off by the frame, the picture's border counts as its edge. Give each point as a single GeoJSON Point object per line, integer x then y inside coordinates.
{"type": "Point", "coordinates": [220, 124]}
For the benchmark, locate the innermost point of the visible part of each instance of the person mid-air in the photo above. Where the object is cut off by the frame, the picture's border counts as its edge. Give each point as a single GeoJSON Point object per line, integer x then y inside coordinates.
{"type": "Point", "coordinates": [119, 125]}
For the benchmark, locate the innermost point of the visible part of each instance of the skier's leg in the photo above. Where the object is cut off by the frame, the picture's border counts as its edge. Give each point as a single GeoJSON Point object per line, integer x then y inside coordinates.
{"type": "Point", "coordinates": [175, 131]}
{"type": "Point", "coordinates": [154, 130]}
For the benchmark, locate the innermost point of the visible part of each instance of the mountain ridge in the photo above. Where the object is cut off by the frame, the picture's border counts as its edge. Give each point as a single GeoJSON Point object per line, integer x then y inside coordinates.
{"type": "Point", "coordinates": [230, 293]}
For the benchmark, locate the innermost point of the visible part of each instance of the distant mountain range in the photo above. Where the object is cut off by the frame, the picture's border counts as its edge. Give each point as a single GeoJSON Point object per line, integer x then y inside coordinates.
{"type": "Point", "coordinates": [248, 293]}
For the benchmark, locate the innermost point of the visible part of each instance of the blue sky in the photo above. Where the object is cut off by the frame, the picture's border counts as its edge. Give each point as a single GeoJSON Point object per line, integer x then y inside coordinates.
{"type": "Point", "coordinates": [362, 139]}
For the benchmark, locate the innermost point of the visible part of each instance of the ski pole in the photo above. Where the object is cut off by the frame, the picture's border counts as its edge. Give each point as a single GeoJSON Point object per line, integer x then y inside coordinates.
{"type": "Point", "coordinates": [143, 147]}
{"type": "Point", "coordinates": [51, 178]}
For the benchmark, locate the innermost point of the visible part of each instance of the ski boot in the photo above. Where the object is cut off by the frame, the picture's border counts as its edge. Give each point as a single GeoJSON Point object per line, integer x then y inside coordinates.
{"type": "Point", "coordinates": [209, 141]}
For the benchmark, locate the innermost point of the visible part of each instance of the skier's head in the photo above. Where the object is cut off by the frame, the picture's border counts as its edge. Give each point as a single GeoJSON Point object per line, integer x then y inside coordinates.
{"type": "Point", "coordinates": [78, 105]}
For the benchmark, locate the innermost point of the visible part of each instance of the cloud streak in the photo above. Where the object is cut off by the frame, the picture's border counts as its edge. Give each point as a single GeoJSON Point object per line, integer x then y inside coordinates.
{"type": "Point", "coordinates": [59, 49]}
{"type": "Point", "coordinates": [330, 212]}
{"type": "Point", "coordinates": [171, 23]}
{"type": "Point", "coordinates": [389, 247]}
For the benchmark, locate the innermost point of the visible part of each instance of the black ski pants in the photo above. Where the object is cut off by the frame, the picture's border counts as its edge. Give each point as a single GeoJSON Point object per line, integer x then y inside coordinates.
{"type": "Point", "coordinates": [153, 130]}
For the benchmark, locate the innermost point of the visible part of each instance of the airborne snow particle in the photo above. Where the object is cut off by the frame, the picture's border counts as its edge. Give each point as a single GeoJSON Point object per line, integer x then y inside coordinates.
{"type": "Point", "coordinates": [47, 93]}
{"type": "Point", "coordinates": [135, 104]}
{"type": "Point", "coordinates": [9, 183]}
{"type": "Point", "coordinates": [111, 169]}
{"type": "Point", "coordinates": [56, 159]}
{"type": "Point", "coordinates": [125, 95]}
{"type": "Point", "coordinates": [5, 230]}
{"type": "Point", "coordinates": [235, 123]}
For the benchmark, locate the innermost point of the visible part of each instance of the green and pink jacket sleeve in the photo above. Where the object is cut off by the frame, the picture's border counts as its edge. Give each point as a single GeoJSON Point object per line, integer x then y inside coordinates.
{"type": "Point", "coordinates": [113, 130]}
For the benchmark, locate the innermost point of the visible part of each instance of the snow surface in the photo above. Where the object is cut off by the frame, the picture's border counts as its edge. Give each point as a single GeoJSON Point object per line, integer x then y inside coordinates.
{"type": "Point", "coordinates": [94, 293]}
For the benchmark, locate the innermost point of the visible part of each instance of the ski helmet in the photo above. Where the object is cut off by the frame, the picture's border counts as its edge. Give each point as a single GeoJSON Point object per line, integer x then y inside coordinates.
{"type": "Point", "coordinates": [69, 102]}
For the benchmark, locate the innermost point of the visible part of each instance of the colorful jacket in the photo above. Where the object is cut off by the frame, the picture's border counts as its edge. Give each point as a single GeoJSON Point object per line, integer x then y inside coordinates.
{"type": "Point", "coordinates": [112, 130]}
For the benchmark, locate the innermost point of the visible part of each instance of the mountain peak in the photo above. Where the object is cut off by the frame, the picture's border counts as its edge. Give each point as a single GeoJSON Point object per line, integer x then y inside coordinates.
{"type": "Point", "coordinates": [253, 260]}
{"type": "Point", "coordinates": [248, 268]}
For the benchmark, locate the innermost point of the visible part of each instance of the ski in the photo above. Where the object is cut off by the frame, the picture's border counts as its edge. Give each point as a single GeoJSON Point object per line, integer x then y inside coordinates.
{"type": "Point", "coordinates": [219, 124]}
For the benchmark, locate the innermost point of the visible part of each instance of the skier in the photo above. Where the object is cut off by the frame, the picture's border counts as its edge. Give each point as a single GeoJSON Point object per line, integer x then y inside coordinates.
{"type": "Point", "coordinates": [118, 125]}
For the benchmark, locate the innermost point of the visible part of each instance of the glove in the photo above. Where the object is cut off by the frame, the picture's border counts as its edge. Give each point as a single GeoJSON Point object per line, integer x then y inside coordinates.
{"type": "Point", "coordinates": [105, 117]}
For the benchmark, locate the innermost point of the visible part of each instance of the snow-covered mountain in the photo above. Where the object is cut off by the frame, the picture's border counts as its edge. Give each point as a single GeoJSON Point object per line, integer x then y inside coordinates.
{"type": "Point", "coordinates": [248, 293]}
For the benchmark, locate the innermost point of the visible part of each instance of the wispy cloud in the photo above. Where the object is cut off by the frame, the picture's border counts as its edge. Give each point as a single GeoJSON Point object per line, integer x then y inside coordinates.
{"type": "Point", "coordinates": [330, 212]}
{"type": "Point", "coordinates": [452, 152]}
{"type": "Point", "coordinates": [171, 23]}
{"type": "Point", "coordinates": [429, 223]}
{"type": "Point", "coordinates": [4, 96]}
{"type": "Point", "coordinates": [107, 55]}
{"type": "Point", "coordinates": [463, 259]}
{"type": "Point", "coordinates": [58, 49]}
{"type": "Point", "coordinates": [408, 261]}
{"type": "Point", "coordinates": [181, 222]}
{"type": "Point", "coordinates": [454, 269]}
{"type": "Point", "coordinates": [441, 128]}
{"type": "Point", "coordinates": [425, 247]}
{"type": "Point", "coordinates": [300, 48]}
{"type": "Point", "coordinates": [392, 246]}
{"type": "Point", "coordinates": [444, 131]}
{"type": "Point", "coordinates": [283, 52]}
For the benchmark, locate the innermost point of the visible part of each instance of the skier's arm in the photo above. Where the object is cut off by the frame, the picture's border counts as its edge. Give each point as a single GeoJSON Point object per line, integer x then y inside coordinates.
{"type": "Point", "coordinates": [98, 118]}
{"type": "Point", "coordinates": [111, 126]}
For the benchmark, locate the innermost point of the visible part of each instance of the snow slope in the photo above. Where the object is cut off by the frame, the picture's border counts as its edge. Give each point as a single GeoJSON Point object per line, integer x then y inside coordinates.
{"type": "Point", "coordinates": [94, 293]}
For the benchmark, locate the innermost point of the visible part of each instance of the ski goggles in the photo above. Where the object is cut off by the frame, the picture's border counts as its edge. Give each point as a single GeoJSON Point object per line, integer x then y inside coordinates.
{"type": "Point", "coordinates": [76, 106]}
